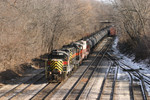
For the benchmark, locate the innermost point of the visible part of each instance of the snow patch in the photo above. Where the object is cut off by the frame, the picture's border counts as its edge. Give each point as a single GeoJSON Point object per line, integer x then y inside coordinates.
{"type": "Point", "coordinates": [143, 65]}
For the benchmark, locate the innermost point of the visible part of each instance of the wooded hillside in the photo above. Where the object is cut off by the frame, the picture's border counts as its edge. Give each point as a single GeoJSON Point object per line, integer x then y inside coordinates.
{"type": "Point", "coordinates": [132, 17]}
{"type": "Point", "coordinates": [31, 28]}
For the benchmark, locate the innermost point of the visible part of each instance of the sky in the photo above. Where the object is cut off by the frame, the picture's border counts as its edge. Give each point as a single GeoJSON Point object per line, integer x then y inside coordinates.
{"type": "Point", "coordinates": [106, 1]}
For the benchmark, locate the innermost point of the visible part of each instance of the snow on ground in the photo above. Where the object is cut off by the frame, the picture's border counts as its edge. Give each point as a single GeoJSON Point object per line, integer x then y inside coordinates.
{"type": "Point", "coordinates": [143, 65]}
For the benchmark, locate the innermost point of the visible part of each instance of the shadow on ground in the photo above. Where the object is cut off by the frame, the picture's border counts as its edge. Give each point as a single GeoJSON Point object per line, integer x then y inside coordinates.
{"type": "Point", "coordinates": [27, 70]}
{"type": "Point", "coordinates": [40, 61]}
{"type": "Point", "coordinates": [24, 70]}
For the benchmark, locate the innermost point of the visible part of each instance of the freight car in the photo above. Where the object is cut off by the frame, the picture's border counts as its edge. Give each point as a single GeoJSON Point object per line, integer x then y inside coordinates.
{"type": "Point", "coordinates": [62, 62]}
{"type": "Point", "coordinates": [112, 31]}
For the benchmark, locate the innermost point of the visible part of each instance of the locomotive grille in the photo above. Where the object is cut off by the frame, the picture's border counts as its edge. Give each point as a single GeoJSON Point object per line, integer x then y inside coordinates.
{"type": "Point", "coordinates": [56, 65]}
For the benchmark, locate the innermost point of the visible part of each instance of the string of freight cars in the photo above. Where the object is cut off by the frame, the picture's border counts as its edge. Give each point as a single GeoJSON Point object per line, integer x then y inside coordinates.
{"type": "Point", "coordinates": [63, 61]}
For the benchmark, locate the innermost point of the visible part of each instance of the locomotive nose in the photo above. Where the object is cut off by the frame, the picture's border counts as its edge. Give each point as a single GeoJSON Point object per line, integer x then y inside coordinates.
{"type": "Point", "coordinates": [55, 65]}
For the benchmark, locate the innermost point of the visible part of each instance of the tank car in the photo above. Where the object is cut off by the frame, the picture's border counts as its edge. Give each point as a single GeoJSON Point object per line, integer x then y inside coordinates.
{"type": "Point", "coordinates": [93, 40]}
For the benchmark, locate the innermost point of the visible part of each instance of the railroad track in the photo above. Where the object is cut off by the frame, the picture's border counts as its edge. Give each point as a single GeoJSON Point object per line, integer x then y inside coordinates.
{"type": "Point", "coordinates": [76, 87]}
{"type": "Point", "coordinates": [10, 93]}
{"type": "Point", "coordinates": [86, 76]}
{"type": "Point", "coordinates": [97, 78]}
{"type": "Point", "coordinates": [79, 73]}
{"type": "Point", "coordinates": [36, 87]}
{"type": "Point", "coordinates": [137, 91]}
{"type": "Point", "coordinates": [108, 84]}
{"type": "Point", "coordinates": [27, 80]}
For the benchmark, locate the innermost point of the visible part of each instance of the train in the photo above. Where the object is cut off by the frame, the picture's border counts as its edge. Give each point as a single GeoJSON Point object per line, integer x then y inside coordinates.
{"type": "Point", "coordinates": [63, 61]}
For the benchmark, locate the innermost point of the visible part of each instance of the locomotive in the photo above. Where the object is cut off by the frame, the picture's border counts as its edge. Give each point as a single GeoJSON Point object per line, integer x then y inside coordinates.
{"type": "Point", "coordinates": [62, 62]}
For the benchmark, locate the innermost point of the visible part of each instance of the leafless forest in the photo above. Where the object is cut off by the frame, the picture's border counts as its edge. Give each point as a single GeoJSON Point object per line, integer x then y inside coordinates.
{"type": "Point", "coordinates": [31, 28]}
{"type": "Point", "coordinates": [133, 19]}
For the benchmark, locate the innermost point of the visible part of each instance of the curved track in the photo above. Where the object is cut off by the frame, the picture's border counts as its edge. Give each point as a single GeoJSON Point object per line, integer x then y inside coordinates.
{"type": "Point", "coordinates": [136, 91]}
{"type": "Point", "coordinates": [97, 78]}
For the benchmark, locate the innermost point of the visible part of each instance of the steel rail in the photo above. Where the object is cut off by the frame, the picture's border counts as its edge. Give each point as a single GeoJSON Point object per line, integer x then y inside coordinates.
{"type": "Point", "coordinates": [146, 81]}
{"type": "Point", "coordinates": [26, 87]}
{"type": "Point", "coordinates": [79, 79]}
{"type": "Point", "coordinates": [114, 82]}
{"type": "Point", "coordinates": [21, 84]}
{"type": "Point", "coordinates": [141, 74]}
{"type": "Point", "coordinates": [141, 79]}
{"type": "Point", "coordinates": [131, 87]}
{"type": "Point", "coordinates": [108, 69]}
{"type": "Point", "coordinates": [143, 90]}
{"type": "Point", "coordinates": [103, 83]}
{"type": "Point", "coordinates": [127, 65]}
{"type": "Point", "coordinates": [142, 87]}
{"type": "Point", "coordinates": [134, 69]}
{"type": "Point", "coordinates": [39, 91]}
{"type": "Point", "coordinates": [51, 90]}
{"type": "Point", "coordinates": [93, 72]}
{"type": "Point", "coordinates": [70, 91]}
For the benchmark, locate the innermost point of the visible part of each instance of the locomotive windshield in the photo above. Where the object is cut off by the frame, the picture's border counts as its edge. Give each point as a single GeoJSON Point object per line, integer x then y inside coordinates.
{"type": "Point", "coordinates": [58, 55]}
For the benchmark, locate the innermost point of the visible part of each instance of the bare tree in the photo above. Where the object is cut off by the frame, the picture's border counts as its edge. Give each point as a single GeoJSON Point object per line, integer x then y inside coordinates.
{"type": "Point", "coordinates": [132, 17]}
{"type": "Point", "coordinates": [30, 28]}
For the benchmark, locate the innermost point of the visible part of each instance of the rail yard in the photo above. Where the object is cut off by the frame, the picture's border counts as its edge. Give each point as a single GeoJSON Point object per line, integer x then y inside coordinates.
{"type": "Point", "coordinates": [101, 76]}
{"type": "Point", "coordinates": [74, 49]}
